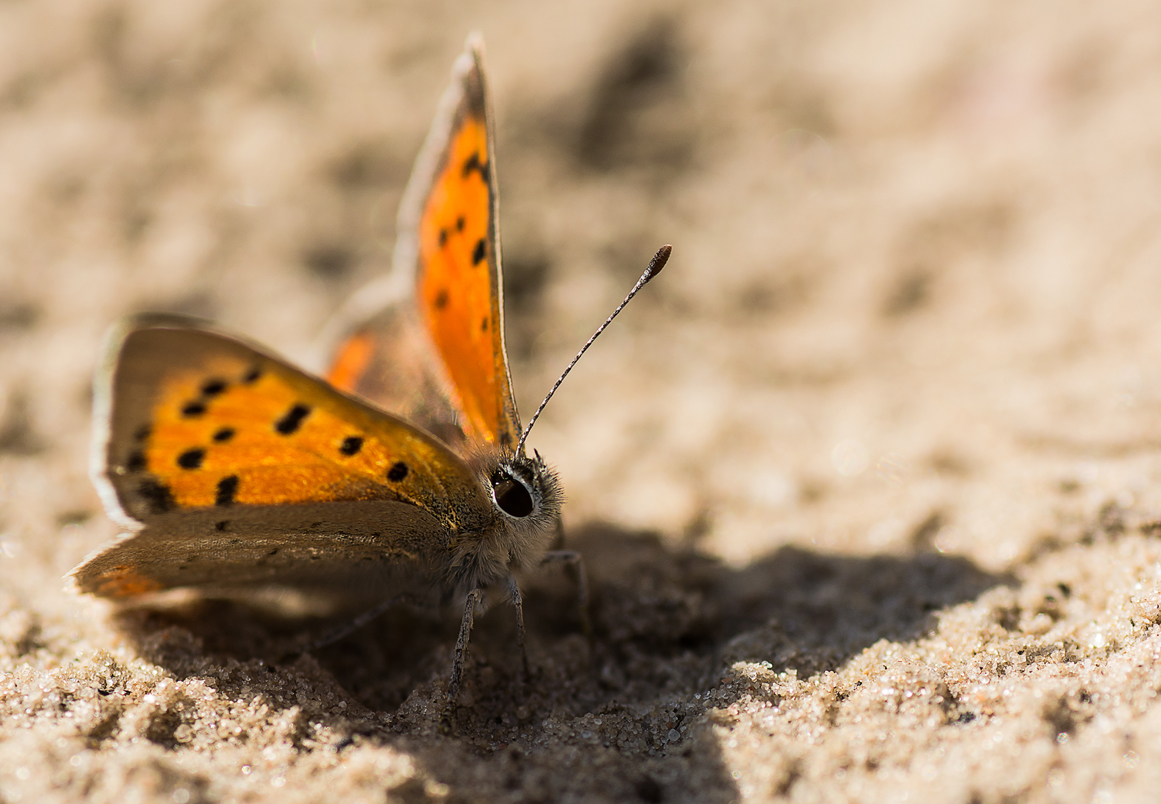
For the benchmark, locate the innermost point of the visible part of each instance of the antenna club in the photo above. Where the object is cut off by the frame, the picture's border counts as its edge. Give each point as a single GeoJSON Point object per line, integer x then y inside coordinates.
{"type": "Point", "coordinates": [658, 262]}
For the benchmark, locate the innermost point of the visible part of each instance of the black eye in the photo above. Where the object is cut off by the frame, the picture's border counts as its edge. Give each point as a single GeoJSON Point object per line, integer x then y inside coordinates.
{"type": "Point", "coordinates": [512, 497]}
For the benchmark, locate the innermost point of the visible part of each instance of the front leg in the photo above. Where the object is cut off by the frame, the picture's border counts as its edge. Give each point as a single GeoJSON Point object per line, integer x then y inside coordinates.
{"type": "Point", "coordinates": [518, 604]}
{"type": "Point", "coordinates": [453, 686]}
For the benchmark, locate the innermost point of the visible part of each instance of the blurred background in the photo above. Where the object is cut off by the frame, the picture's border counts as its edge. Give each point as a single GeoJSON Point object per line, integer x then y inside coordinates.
{"type": "Point", "coordinates": [908, 341]}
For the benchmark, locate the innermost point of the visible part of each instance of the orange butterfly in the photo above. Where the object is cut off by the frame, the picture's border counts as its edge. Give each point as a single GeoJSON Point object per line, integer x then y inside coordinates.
{"type": "Point", "coordinates": [238, 474]}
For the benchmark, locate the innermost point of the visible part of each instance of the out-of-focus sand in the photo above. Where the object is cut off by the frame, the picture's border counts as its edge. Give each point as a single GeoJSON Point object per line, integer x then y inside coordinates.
{"type": "Point", "coordinates": [868, 481]}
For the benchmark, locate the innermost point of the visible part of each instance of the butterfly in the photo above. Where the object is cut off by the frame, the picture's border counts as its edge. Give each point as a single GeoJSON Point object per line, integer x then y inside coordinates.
{"type": "Point", "coordinates": [400, 476]}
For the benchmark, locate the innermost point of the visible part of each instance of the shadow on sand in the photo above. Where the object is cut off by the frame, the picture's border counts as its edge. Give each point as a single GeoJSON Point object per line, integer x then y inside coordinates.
{"type": "Point", "coordinates": [668, 622]}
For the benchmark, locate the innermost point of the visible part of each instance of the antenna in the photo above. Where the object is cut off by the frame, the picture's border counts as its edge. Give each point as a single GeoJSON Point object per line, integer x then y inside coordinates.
{"type": "Point", "coordinates": [653, 269]}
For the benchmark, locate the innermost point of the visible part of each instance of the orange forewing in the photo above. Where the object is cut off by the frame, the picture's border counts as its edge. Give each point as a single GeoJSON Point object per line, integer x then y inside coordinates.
{"type": "Point", "coordinates": [448, 230]}
{"type": "Point", "coordinates": [457, 280]}
{"type": "Point", "coordinates": [226, 425]}
{"type": "Point", "coordinates": [306, 465]}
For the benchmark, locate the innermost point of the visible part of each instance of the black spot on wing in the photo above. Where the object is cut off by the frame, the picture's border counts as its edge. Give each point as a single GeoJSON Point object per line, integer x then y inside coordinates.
{"type": "Point", "coordinates": [156, 495]}
{"type": "Point", "coordinates": [213, 387]}
{"type": "Point", "coordinates": [398, 472]}
{"type": "Point", "coordinates": [292, 419]}
{"type": "Point", "coordinates": [191, 410]}
{"type": "Point", "coordinates": [473, 163]}
{"type": "Point", "coordinates": [440, 300]}
{"type": "Point", "coordinates": [351, 445]}
{"type": "Point", "coordinates": [252, 376]}
{"type": "Point", "coordinates": [224, 435]}
{"type": "Point", "coordinates": [221, 526]}
{"type": "Point", "coordinates": [227, 490]}
{"type": "Point", "coordinates": [484, 324]}
{"type": "Point", "coordinates": [442, 238]}
{"type": "Point", "coordinates": [480, 252]}
{"type": "Point", "coordinates": [191, 458]}
{"type": "Point", "coordinates": [460, 222]}
{"type": "Point", "coordinates": [143, 432]}
{"type": "Point", "coordinates": [136, 461]}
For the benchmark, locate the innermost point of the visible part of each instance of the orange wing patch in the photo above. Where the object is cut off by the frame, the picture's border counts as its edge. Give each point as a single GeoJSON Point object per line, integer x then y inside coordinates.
{"type": "Point", "coordinates": [351, 362]}
{"type": "Point", "coordinates": [459, 272]}
{"type": "Point", "coordinates": [234, 432]}
{"type": "Point", "coordinates": [449, 348]}
{"type": "Point", "coordinates": [254, 439]}
{"type": "Point", "coordinates": [124, 581]}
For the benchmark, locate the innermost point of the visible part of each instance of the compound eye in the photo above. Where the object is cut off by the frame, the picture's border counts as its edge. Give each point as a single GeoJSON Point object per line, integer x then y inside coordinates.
{"type": "Point", "coordinates": [512, 496]}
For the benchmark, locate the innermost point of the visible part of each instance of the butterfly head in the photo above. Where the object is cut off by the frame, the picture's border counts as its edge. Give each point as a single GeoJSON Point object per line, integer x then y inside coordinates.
{"type": "Point", "coordinates": [526, 498]}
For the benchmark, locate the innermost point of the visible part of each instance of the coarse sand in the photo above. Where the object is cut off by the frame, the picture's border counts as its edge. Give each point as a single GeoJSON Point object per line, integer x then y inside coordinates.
{"type": "Point", "coordinates": [868, 482]}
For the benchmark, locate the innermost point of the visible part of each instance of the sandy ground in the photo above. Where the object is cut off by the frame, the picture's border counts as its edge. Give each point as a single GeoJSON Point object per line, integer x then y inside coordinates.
{"type": "Point", "coordinates": [869, 482]}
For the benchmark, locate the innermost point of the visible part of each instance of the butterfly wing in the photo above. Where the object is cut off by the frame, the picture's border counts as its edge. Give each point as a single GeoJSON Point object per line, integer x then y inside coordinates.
{"type": "Point", "coordinates": [342, 551]}
{"type": "Point", "coordinates": [445, 283]}
{"type": "Point", "coordinates": [213, 448]}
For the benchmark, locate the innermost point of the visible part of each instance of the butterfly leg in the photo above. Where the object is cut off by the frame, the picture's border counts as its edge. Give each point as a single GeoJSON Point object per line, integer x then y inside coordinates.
{"type": "Point", "coordinates": [576, 563]}
{"type": "Point", "coordinates": [518, 604]}
{"type": "Point", "coordinates": [457, 672]}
